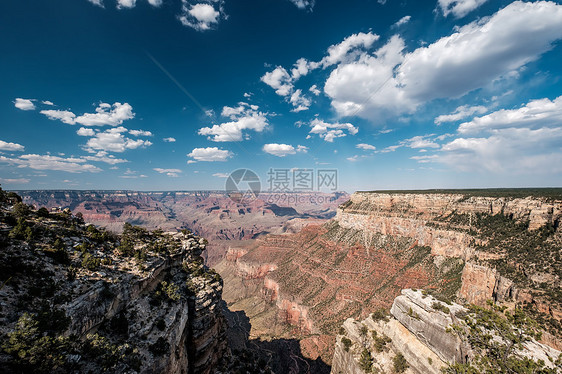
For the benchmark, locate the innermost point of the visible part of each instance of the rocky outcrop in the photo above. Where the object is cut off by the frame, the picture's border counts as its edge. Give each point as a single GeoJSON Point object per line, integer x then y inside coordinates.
{"type": "Point", "coordinates": [142, 302]}
{"type": "Point", "coordinates": [420, 330]}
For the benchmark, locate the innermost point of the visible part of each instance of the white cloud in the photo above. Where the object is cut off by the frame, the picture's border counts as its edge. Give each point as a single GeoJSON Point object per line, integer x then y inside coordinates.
{"type": "Point", "coordinates": [202, 15]}
{"type": "Point", "coordinates": [509, 151]}
{"type": "Point", "coordinates": [48, 162]}
{"type": "Point", "coordinates": [279, 150]}
{"type": "Point", "coordinates": [82, 131]}
{"type": "Point", "coordinates": [10, 147]}
{"type": "Point", "coordinates": [126, 4]}
{"type": "Point", "coordinates": [24, 104]}
{"type": "Point", "coordinates": [314, 89]}
{"type": "Point", "coordinates": [243, 117]}
{"type": "Point", "coordinates": [170, 140]}
{"type": "Point", "coordinates": [366, 147]}
{"type": "Point", "coordinates": [536, 113]}
{"type": "Point", "coordinates": [106, 114]}
{"type": "Point", "coordinates": [280, 80]}
{"type": "Point", "coordinates": [475, 55]}
{"type": "Point", "coordinates": [102, 156]}
{"type": "Point", "coordinates": [47, 102]}
{"type": "Point", "coordinates": [460, 113]}
{"type": "Point", "coordinates": [169, 172]}
{"type": "Point", "coordinates": [112, 140]}
{"type": "Point", "coordinates": [349, 48]}
{"type": "Point", "coordinates": [140, 133]}
{"type": "Point", "coordinates": [155, 3]}
{"type": "Point", "coordinates": [303, 4]}
{"type": "Point", "coordinates": [367, 86]}
{"type": "Point", "coordinates": [330, 131]}
{"type": "Point", "coordinates": [302, 149]}
{"type": "Point", "coordinates": [221, 175]}
{"type": "Point", "coordinates": [459, 8]}
{"type": "Point", "coordinates": [64, 116]}
{"type": "Point", "coordinates": [424, 159]}
{"type": "Point", "coordinates": [209, 154]}
{"type": "Point", "coordinates": [299, 101]}
{"type": "Point", "coordinates": [402, 21]}
{"type": "Point", "coordinates": [14, 180]}
{"type": "Point", "coordinates": [420, 141]}
{"type": "Point", "coordinates": [97, 2]}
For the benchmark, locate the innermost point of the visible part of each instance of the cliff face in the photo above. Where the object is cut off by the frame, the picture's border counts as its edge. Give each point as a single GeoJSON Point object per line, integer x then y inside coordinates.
{"type": "Point", "coordinates": [75, 298]}
{"type": "Point", "coordinates": [425, 335]}
{"type": "Point", "coordinates": [471, 247]}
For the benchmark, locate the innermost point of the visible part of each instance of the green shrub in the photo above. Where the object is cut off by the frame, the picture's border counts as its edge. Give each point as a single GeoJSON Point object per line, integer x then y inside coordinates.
{"type": "Point", "coordinates": [366, 361]}
{"type": "Point", "coordinates": [90, 262]}
{"type": "Point", "coordinates": [438, 306]}
{"type": "Point", "coordinates": [399, 363]}
{"type": "Point", "coordinates": [346, 343]}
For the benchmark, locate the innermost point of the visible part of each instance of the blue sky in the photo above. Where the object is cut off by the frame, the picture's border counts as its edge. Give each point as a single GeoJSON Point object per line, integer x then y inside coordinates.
{"type": "Point", "coordinates": [175, 94]}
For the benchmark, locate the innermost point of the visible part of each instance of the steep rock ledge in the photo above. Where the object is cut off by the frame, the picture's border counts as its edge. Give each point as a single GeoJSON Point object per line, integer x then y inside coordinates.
{"type": "Point", "coordinates": [418, 337]}
{"type": "Point", "coordinates": [75, 298]}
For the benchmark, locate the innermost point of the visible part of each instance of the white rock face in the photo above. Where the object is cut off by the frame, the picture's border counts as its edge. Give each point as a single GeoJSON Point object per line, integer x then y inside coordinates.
{"type": "Point", "coordinates": [420, 333]}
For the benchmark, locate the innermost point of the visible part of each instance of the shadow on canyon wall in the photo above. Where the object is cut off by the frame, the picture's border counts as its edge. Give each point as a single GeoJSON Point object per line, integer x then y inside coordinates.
{"type": "Point", "coordinates": [282, 355]}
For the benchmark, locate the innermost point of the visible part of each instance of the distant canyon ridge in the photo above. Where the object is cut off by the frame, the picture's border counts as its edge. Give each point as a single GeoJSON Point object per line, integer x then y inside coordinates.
{"type": "Point", "coordinates": [210, 214]}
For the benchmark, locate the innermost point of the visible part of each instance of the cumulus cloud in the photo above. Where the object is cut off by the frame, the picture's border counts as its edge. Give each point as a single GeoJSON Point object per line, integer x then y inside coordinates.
{"type": "Point", "coordinates": [10, 147]}
{"type": "Point", "coordinates": [330, 131]}
{"type": "Point", "coordinates": [314, 89]}
{"type": "Point", "coordinates": [349, 48]}
{"type": "Point", "coordinates": [402, 21]}
{"type": "Point", "coordinates": [209, 154]}
{"type": "Point", "coordinates": [366, 147]}
{"type": "Point", "coordinates": [48, 162]}
{"type": "Point", "coordinates": [420, 141]}
{"type": "Point", "coordinates": [244, 117]}
{"type": "Point", "coordinates": [64, 116]}
{"type": "Point", "coordinates": [280, 80]}
{"type": "Point", "coordinates": [513, 151]}
{"type": "Point", "coordinates": [140, 133]}
{"type": "Point", "coordinates": [82, 131]}
{"type": "Point", "coordinates": [97, 2]}
{"type": "Point", "coordinates": [106, 114]}
{"type": "Point", "coordinates": [126, 4]}
{"type": "Point", "coordinates": [282, 150]}
{"type": "Point", "coordinates": [47, 102]}
{"type": "Point", "coordinates": [299, 101]}
{"type": "Point", "coordinates": [170, 140]}
{"type": "Point", "coordinates": [169, 172]}
{"type": "Point", "coordinates": [459, 8]}
{"type": "Point", "coordinates": [113, 140]}
{"type": "Point", "coordinates": [103, 156]}
{"type": "Point", "coordinates": [460, 113]}
{"type": "Point", "coordinates": [202, 15]}
{"type": "Point", "coordinates": [304, 4]}
{"type": "Point", "coordinates": [470, 58]}
{"type": "Point", "coordinates": [536, 113]}
{"type": "Point", "coordinates": [24, 104]}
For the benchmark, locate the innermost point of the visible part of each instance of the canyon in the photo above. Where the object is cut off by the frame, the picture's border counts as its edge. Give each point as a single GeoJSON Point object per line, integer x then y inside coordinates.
{"type": "Point", "coordinates": [294, 273]}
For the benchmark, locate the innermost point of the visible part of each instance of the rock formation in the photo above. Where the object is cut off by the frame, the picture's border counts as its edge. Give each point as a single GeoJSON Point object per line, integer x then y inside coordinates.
{"type": "Point", "coordinates": [421, 331]}
{"type": "Point", "coordinates": [77, 299]}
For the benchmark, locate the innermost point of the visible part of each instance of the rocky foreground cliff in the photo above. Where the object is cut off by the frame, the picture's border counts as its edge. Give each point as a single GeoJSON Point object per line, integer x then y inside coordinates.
{"type": "Point", "coordinates": [423, 334]}
{"type": "Point", "coordinates": [74, 298]}
{"type": "Point", "coordinates": [459, 246]}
